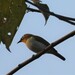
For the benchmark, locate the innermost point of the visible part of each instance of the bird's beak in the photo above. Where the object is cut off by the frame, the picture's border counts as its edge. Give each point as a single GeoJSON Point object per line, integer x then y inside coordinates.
{"type": "Point", "coordinates": [19, 41]}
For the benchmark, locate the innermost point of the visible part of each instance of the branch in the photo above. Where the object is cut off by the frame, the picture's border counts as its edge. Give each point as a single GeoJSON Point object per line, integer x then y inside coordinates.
{"type": "Point", "coordinates": [41, 52]}
{"type": "Point", "coordinates": [64, 18]}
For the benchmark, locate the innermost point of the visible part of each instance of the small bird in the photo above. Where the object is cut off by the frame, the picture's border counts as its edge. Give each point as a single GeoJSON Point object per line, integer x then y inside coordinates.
{"type": "Point", "coordinates": [37, 43]}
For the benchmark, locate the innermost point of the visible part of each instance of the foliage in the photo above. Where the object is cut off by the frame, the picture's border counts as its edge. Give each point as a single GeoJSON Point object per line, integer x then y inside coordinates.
{"type": "Point", "coordinates": [43, 9]}
{"type": "Point", "coordinates": [11, 14]}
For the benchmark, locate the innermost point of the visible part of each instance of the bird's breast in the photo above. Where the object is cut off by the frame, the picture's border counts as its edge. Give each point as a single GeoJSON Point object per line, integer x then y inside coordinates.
{"type": "Point", "coordinates": [35, 45]}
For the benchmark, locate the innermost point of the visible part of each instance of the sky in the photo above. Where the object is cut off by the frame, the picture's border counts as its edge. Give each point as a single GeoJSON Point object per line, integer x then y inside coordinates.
{"type": "Point", "coordinates": [54, 29]}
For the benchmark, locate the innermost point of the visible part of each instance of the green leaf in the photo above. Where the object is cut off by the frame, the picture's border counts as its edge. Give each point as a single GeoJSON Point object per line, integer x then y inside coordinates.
{"type": "Point", "coordinates": [11, 15]}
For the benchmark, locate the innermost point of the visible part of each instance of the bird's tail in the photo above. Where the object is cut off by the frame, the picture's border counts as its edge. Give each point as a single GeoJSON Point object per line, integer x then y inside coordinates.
{"type": "Point", "coordinates": [54, 52]}
{"type": "Point", "coordinates": [60, 56]}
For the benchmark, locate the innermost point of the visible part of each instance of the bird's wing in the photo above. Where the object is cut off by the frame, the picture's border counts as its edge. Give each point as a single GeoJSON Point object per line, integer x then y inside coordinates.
{"type": "Point", "coordinates": [53, 50]}
{"type": "Point", "coordinates": [40, 39]}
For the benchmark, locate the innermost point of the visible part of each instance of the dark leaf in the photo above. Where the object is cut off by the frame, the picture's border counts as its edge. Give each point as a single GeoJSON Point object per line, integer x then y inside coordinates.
{"type": "Point", "coordinates": [44, 9]}
{"type": "Point", "coordinates": [36, 1]}
{"type": "Point", "coordinates": [11, 14]}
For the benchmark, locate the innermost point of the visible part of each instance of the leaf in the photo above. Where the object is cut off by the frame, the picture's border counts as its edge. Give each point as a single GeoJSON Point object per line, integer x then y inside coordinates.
{"type": "Point", "coordinates": [11, 14]}
{"type": "Point", "coordinates": [44, 10]}
{"type": "Point", "coordinates": [36, 1]}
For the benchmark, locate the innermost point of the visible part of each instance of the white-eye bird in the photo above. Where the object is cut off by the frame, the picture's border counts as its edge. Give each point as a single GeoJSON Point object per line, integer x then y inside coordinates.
{"type": "Point", "coordinates": [37, 43]}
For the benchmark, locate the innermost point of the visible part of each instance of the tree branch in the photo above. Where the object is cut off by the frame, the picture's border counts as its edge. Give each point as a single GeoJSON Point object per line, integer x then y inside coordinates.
{"type": "Point", "coordinates": [64, 18]}
{"type": "Point", "coordinates": [67, 19]}
{"type": "Point", "coordinates": [41, 53]}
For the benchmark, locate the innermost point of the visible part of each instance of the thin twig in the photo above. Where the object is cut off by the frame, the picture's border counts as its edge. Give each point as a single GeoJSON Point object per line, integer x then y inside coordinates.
{"type": "Point", "coordinates": [41, 53]}
{"type": "Point", "coordinates": [51, 13]}
{"type": "Point", "coordinates": [64, 18]}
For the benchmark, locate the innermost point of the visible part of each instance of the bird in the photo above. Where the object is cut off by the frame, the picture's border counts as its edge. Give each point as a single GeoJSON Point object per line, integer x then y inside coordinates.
{"type": "Point", "coordinates": [36, 43]}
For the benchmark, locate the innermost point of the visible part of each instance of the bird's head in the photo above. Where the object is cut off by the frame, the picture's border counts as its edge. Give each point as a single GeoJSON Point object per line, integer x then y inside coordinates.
{"type": "Point", "coordinates": [25, 37]}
